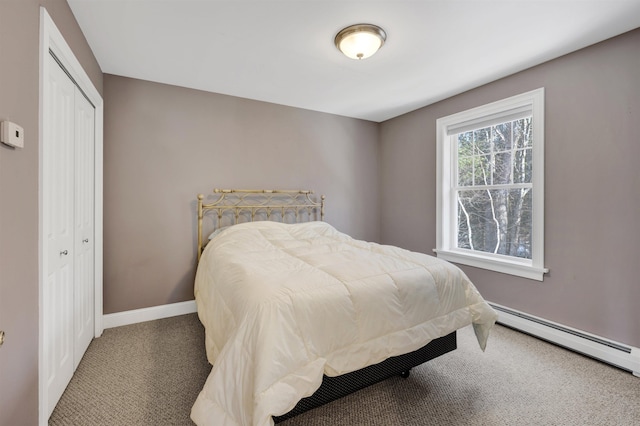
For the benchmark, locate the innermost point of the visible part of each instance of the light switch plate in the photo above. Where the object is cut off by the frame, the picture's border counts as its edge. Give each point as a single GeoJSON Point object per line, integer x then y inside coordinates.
{"type": "Point", "coordinates": [12, 134]}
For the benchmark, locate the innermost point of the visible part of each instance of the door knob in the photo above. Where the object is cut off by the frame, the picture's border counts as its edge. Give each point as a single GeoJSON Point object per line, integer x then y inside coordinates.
{"type": "Point", "coordinates": [86, 240]}
{"type": "Point", "coordinates": [64, 253]}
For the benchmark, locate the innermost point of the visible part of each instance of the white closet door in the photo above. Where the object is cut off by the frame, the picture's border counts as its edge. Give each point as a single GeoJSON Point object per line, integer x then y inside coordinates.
{"type": "Point", "coordinates": [68, 213]}
{"type": "Point", "coordinates": [84, 220]}
{"type": "Point", "coordinates": [58, 184]}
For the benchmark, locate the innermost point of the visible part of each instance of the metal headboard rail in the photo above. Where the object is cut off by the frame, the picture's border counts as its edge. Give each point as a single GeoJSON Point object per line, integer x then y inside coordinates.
{"type": "Point", "coordinates": [257, 202]}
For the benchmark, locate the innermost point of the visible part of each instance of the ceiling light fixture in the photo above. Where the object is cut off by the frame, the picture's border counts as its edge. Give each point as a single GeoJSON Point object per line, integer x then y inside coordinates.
{"type": "Point", "coordinates": [360, 41]}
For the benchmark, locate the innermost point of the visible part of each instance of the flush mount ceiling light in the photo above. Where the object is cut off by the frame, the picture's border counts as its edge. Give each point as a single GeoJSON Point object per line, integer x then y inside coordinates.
{"type": "Point", "coordinates": [360, 41]}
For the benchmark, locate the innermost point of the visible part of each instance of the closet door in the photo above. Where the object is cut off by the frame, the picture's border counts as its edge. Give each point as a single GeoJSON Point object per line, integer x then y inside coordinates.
{"type": "Point", "coordinates": [84, 221]}
{"type": "Point", "coordinates": [58, 210]}
{"type": "Point", "coordinates": [68, 229]}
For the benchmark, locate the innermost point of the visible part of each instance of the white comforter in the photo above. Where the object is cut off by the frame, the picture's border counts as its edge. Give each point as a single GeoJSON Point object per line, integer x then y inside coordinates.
{"type": "Point", "coordinates": [283, 304]}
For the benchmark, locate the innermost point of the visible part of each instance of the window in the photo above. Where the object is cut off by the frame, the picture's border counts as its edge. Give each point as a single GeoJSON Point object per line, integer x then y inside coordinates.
{"type": "Point", "coordinates": [490, 211]}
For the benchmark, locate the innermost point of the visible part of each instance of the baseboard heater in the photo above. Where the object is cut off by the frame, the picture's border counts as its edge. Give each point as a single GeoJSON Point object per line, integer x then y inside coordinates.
{"type": "Point", "coordinates": [617, 354]}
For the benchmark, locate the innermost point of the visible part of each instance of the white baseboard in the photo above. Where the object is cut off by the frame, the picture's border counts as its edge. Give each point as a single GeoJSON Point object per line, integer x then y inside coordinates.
{"type": "Point", "coordinates": [148, 314]}
{"type": "Point", "coordinates": [618, 354]}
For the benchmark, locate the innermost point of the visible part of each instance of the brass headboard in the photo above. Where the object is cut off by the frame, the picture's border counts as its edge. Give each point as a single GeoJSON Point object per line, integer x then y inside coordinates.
{"type": "Point", "coordinates": [249, 205]}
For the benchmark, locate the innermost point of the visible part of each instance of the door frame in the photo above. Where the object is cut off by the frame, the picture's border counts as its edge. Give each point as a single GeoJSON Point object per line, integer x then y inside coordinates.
{"type": "Point", "coordinates": [52, 40]}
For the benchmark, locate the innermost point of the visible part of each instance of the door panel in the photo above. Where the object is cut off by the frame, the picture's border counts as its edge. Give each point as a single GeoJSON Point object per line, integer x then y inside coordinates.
{"type": "Point", "coordinates": [58, 185]}
{"type": "Point", "coordinates": [84, 238]}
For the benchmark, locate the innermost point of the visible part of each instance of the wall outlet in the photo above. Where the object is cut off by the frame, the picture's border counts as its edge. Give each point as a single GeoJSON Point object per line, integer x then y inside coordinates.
{"type": "Point", "coordinates": [12, 134]}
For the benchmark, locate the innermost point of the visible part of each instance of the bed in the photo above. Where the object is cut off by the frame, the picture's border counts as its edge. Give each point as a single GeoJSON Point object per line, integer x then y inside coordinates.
{"type": "Point", "coordinates": [297, 314]}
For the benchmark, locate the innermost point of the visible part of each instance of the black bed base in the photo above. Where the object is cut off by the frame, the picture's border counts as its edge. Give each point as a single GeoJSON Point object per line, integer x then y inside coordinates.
{"type": "Point", "coordinates": [333, 388]}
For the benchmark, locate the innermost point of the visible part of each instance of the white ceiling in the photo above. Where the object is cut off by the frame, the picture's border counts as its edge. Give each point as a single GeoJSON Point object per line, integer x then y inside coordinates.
{"type": "Point", "coordinates": [283, 52]}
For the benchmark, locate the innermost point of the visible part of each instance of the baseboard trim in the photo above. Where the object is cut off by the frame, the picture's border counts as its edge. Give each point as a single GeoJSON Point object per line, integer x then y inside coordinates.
{"type": "Point", "coordinates": [605, 350]}
{"type": "Point", "coordinates": [148, 314]}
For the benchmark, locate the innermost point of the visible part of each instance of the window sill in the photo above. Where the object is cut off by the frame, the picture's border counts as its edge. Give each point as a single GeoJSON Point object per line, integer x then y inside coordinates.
{"type": "Point", "coordinates": [491, 263]}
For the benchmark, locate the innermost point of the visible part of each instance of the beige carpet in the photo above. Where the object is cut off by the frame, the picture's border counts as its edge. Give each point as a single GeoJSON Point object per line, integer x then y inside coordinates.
{"type": "Point", "coordinates": [150, 374]}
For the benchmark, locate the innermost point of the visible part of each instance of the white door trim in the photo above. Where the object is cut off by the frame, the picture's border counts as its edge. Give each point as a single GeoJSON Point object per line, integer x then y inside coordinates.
{"type": "Point", "coordinates": [52, 40]}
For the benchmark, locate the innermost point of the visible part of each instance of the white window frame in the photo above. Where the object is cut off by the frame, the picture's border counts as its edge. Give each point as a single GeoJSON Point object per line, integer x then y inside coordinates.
{"type": "Point", "coordinates": [447, 206]}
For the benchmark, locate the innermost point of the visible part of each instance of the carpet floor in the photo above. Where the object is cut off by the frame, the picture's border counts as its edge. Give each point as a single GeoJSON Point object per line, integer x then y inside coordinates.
{"type": "Point", "coordinates": [151, 373]}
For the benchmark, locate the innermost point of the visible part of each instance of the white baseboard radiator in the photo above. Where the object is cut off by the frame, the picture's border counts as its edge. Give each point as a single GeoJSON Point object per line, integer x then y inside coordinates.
{"type": "Point", "coordinates": [614, 353]}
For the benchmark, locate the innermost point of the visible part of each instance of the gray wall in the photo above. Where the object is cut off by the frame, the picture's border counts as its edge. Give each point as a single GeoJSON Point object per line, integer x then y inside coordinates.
{"type": "Point", "coordinates": [165, 144]}
{"type": "Point", "coordinates": [19, 99]}
{"type": "Point", "coordinates": [592, 188]}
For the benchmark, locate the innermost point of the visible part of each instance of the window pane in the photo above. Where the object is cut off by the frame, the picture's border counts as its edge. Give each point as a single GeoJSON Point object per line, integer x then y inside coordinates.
{"type": "Point", "coordinates": [502, 168]}
{"type": "Point", "coordinates": [482, 140]}
{"type": "Point", "coordinates": [474, 220]}
{"type": "Point", "coordinates": [465, 144]}
{"type": "Point", "coordinates": [482, 170]}
{"type": "Point", "coordinates": [522, 133]}
{"type": "Point", "coordinates": [502, 137]}
{"type": "Point", "coordinates": [522, 166]}
{"type": "Point", "coordinates": [495, 221]}
{"type": "Point", "coordinates": [465, 159]}
{"type": "Point", "coordinates": [465, 171]}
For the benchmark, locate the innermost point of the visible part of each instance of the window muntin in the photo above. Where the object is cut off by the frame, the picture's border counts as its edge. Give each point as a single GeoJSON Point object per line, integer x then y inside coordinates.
{"type": "Point", "coordinates": [490, 186]}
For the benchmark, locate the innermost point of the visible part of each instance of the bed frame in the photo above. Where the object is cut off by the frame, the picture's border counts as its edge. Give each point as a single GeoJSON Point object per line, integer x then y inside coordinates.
{"type": "Point", "coordinates": [234, 206]}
